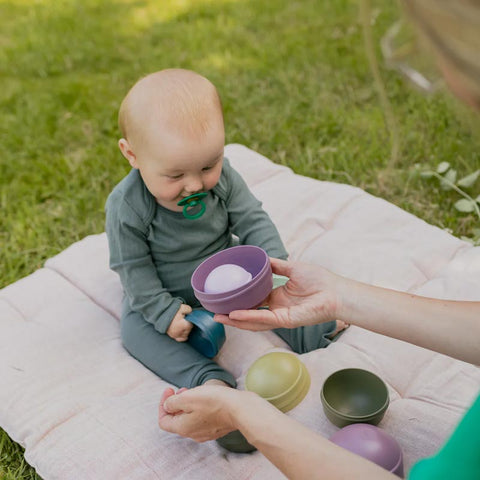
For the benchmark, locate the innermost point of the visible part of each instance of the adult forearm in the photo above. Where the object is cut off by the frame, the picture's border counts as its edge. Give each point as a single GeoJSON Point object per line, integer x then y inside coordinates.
{"type": "Point", "coordinates": [296, 450]}
{"type": "Point", "coordinates": [430, 323]}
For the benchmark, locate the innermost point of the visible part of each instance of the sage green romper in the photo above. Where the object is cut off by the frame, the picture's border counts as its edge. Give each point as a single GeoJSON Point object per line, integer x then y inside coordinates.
{"type": "Point", "coordinates": [156, 250]}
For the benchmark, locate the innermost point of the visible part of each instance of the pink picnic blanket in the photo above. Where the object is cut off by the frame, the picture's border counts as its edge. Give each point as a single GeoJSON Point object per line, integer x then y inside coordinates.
{"type": "Point", "coordinates": [83, 408]}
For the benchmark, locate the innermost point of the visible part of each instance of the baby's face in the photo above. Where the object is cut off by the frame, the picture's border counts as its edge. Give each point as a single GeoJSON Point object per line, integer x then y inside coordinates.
{"type": "Point", "coordinates": [174, 166]}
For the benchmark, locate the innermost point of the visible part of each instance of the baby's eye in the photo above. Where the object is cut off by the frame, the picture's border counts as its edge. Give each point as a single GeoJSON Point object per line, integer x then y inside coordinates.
{"type": "Point", "coordinates": [175, 177]}
{"type": "Point", "coordinates": [205, 169]}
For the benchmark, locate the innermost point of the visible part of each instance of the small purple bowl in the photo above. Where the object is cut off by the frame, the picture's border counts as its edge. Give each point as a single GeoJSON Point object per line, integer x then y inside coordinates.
{"type": "Point", "coordinates": [372, 443]}
{"type": "Point", "coordinates": [254, 260]}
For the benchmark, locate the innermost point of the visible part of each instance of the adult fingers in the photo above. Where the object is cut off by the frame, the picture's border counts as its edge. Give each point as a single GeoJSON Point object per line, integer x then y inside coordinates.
{"type": "Point", "coordinates": [171, 423]}
{"type": "Point", "coordinates": [253, 327]}
{"type": "Point", "coordinates": [256, 320]}
{"type": "Point", "coordinates": [177, 403]}
{"type": "Point", "coordinates": [281, 267]}
{"type": "Point", "coordinates": [254, 316]}
{"type": "Point", "coordinates": [220, 318]}
{"type": "Point", "coordinates": [258, 317]}
{"type": "Point", "coordinates": [168, 392]}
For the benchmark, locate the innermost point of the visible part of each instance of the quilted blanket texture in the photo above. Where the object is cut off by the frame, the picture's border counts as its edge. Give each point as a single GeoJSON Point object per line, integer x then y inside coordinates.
{"type": "Point", "coordinates": [83, 408]}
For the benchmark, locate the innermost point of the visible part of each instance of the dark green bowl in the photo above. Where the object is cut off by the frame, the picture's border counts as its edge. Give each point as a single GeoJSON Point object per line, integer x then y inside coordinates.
{"type": "Point", "coordinates": [235, 442]}
{"type": "Point", "coordinates": [354, 395]}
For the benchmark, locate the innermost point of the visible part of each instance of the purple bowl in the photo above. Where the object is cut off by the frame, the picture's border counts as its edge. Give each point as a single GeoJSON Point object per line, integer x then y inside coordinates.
{"type": "Point", "coordinates": [253, 259]}
{"type": "Point", "coordinates": [372, 443]}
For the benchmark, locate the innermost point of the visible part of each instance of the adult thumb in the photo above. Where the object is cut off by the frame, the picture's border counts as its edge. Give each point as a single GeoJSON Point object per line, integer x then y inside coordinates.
{"type": "Point", "coordinates": [281, 267]}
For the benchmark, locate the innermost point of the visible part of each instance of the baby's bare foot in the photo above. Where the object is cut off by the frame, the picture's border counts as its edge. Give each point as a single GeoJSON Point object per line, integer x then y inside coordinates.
{"type": "Point", "coordinates": [341, 325]}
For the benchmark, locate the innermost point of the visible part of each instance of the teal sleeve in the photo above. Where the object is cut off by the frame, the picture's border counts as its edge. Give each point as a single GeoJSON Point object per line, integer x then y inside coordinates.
{"type": "Point", "coordinates": [459, 459]}
{"type": "Point", "coordinates": [130, 257]}
{"type": "Point", "coordinates": [248, 220]}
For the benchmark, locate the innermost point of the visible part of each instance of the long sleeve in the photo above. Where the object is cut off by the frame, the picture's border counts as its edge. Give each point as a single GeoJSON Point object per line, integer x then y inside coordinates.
{"type": "Point", "coordinates": [248, 220]}
{"type": "Point", "coordinates": [130, 257]}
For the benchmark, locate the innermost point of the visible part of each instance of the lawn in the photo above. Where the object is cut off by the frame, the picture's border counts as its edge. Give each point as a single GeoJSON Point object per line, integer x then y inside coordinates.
{"type": "Point", "coordinates": [296, 86]}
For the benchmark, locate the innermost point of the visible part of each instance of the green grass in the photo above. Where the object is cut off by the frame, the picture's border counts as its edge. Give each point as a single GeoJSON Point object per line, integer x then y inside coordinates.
{"type": "Point", "coordinates": [295, 83]}
{"type": "Point", "coordinates": [12, 464]}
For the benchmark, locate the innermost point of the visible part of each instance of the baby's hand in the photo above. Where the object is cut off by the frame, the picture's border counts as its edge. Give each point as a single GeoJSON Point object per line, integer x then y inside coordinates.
{"type": "Point", "coordinates": [180, 328]}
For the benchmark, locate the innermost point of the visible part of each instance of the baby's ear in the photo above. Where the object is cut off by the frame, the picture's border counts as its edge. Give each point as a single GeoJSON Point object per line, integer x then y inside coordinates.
{"type": "Point", "coordinates": [127, 152]}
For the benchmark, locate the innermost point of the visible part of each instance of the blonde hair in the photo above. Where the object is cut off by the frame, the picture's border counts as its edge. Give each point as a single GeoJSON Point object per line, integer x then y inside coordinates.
{"type": "Point", "coordinates": [174, 98]}
{"type": "Point", "coordinates": [452, 28]}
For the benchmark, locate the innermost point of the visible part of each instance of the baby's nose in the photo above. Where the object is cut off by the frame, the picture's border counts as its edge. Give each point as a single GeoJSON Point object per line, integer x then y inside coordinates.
{"type": "Point", "coordinates": [194, 185]}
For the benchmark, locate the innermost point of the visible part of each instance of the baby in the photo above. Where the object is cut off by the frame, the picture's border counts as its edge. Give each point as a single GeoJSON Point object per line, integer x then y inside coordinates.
{"type": "Point", "coordinates": [173, 137]}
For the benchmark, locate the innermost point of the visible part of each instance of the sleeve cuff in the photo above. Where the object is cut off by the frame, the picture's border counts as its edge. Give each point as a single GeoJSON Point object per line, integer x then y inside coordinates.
{"type": "Point", "coordinates": [165, 319]}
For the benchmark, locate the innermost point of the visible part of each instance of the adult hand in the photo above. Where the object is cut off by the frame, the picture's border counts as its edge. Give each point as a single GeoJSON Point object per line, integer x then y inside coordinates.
{"type": "Point", "coordinates": [309, 297]}
{"type": "Point", "coordinates": [202, 413]}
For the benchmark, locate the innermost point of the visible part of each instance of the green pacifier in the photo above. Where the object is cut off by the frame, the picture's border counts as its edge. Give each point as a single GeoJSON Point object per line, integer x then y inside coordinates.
{"type": "Point", "coordinates": [190, 202]}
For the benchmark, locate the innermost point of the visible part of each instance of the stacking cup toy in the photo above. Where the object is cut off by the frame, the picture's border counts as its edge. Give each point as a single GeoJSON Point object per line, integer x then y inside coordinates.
{"type": "Point", "coordinates": [254, 260]}
{"type": "Point", "coordinates": [354, 395]}
{"type": "Point", "coordinates": [235, 442]}
{"type": "Point", "coordinates": [206, 336]}
{"type": "Point", "coordinates": [372, 443]}
{"type": "Point", "coordinates": [279, 377]}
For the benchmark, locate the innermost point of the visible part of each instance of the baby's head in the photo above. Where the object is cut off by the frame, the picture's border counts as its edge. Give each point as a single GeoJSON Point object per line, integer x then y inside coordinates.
{"type": "Point", "coordinates": [172, 128]}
